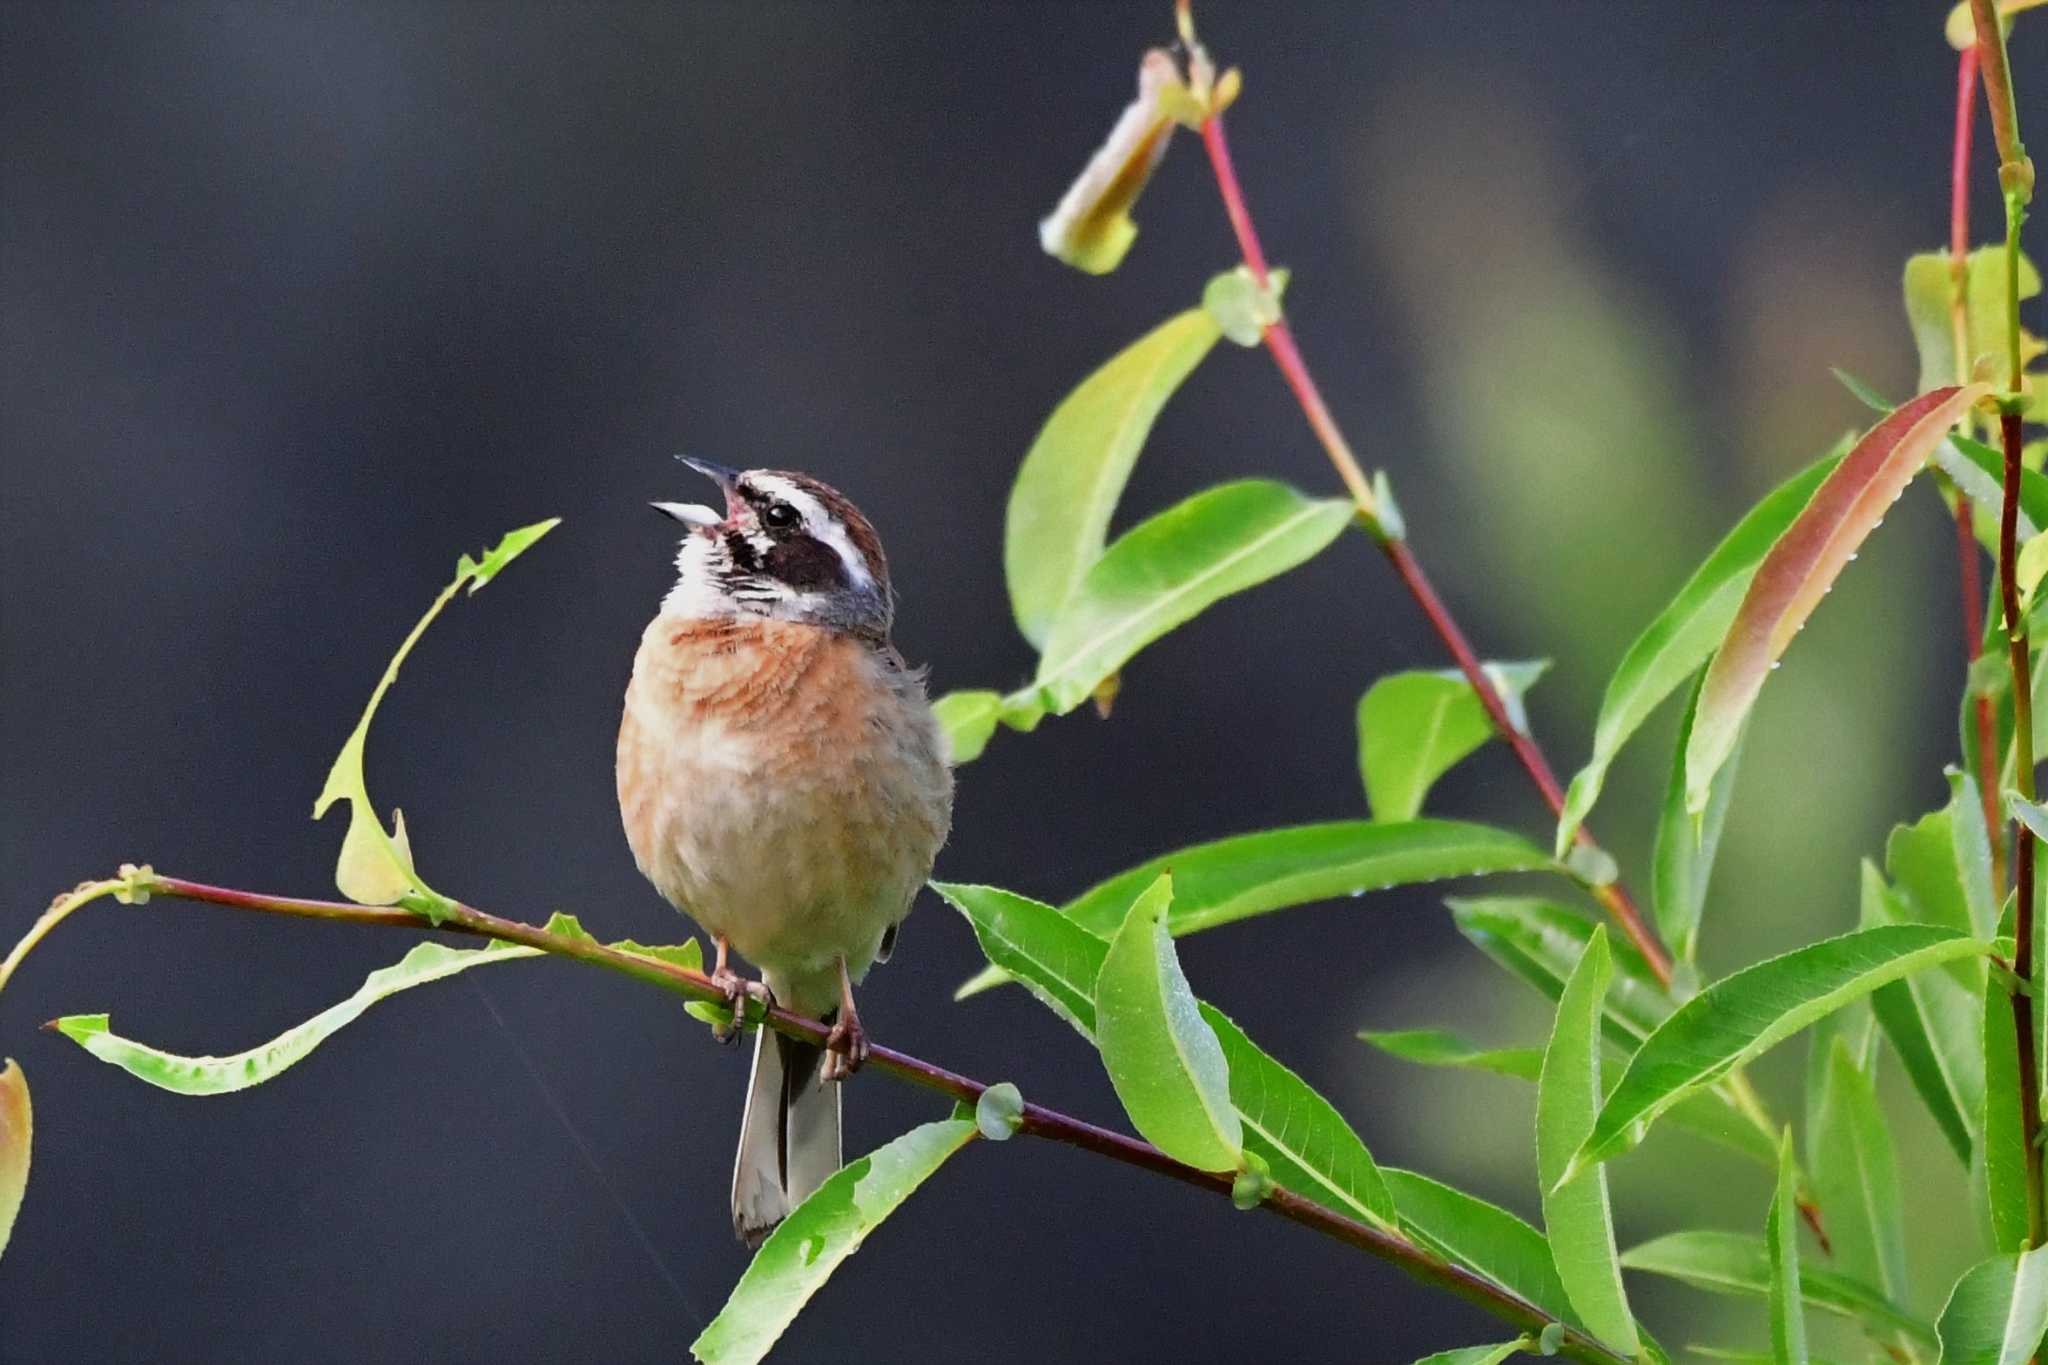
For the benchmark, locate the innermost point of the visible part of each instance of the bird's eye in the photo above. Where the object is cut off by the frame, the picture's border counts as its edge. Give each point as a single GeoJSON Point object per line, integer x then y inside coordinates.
{"type": "Point", "coordinates": [780, 516]}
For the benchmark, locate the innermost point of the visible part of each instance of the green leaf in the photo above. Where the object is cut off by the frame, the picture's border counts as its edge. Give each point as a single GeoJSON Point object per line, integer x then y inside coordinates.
{"type": "Point", "coordinates": [1933, 1023]}
{"type": "Point", "coordinates": [2005, 1149]}
{"type": "Point", "coordinates": [804, 1250]}
{"type": "Point", "coordinates": [376, 865]}
{"type": "Point", "coordinates": [1169, 568]}
{"type": "Point", "coordinates": [1028, 941]}
{"type": "Point", "coordinates": [1863, 392]}
{"type": "Point", "coordinates": [999, 1113]}
{"type": "Point", "coordinates": [1241, 306]}
{"type": "Point", "coordinates": [1928, 288]}
{"type": "Point", "coordinates": [1781, 1235]}
{"type": "Point", "coordinates": [1480, 1236]}
{"type": "Point", "coordinates": [1684, 857]}
{"type": "Point", "coordinates": [1476, 1355]}
{"type": "Point", "coordinates": [1743, 1015]}
{"type": "Point", "coordinates": [1740, 1263]}
{"type": "Point", "coordinates": [1412, 727]}
{"type": "Point", "coordinates": [1437, 1047]}
{"type": "Point", "coordinates": [1683, 635]}
{"type": "Point", "coordinates": [1998, 1311]}
{"type": "Point", "coordinates": [221, 1075]}
{"type": "Point", "coordinates": [1540, 942]}
{"type": "Point", "coordinates": [1576, 1216]}
{"type": "Point", "coordinates": [1941, 866]}
{"type": "Point", "coordinates": [1803, 564]}
{"type": "Point", "coordinates": [17, 1124]}
{"type": "Point", "coordinates": [1162, 1056]}
{"type": "Point", "coordinates": [1068, 486]}
{"type": "Point", "coordinates": [1254, 874]}
{"type": "Point", "coordinates": [1960, 457]}
{"type": "Point", "coordinates": [1856, 1175]}
{"type": "Point", "coordinates": [1306, 1144]}
{"type": "Point", "coordinates": [967, 720]}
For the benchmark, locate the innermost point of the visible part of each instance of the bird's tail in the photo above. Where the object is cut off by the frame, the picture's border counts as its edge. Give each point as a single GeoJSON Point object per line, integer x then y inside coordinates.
{"type": "Point", "coordinates": [789, 1137]}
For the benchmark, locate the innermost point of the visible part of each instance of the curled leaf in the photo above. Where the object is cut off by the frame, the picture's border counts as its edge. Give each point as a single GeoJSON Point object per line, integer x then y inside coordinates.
{"type": "Point", "coordinates": [1091, 228]}
{"type": "Point", "coordinates": [1803, 565]}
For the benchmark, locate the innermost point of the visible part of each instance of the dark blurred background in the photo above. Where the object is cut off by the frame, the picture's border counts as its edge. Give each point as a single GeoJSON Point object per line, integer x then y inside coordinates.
{"type": "Point", "coordinates": [301, 301]}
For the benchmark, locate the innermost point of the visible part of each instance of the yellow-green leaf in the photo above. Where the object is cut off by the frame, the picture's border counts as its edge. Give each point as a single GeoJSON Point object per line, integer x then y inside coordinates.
{"type": "Point", "coordinates": [17, 1127]}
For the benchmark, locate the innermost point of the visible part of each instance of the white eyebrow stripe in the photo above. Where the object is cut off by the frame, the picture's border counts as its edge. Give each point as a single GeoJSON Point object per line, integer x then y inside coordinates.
{"type": "Point", "coordinates": [821, 524]}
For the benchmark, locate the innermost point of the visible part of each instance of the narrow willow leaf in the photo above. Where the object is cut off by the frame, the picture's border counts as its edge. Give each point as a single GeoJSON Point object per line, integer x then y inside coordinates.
{"type": "Point", "coordinates": [221, 1075]}
{"type": "Point", "coordinates": [1056, 959]}
{"type": "Point", "coordinates": [1254, 874]}
{"type": "Point", "coordinates": [1475, 1355]}
{"type": "Point", "coordinates": [17, 1127]}
{"type": "Point", "coordinates": [1683, 635]}
{"type": "Point", "coordinates": [1169, 568]}
{"type": "Point", "coordinates": [2004, 1161]}
{"type": "Point", "coordinates": [1781, 1236]}
{"type": "Point", "coordinates": [1934, 1025]}
{"type": "Point", "coordinates": [1961, 456]}
{"type": "Point", "coordinates": [1803, 564]}
{"type": "Point", "coordinates": [1413, 727]}
{"type": "Point", "coordinates": [376, 865]}
{"type": "Point", "coordinates": [1068, 486]}
{"type": "Point", "coordinates": [1928, 287]}
{"type": "Point", "coordinates": [1998, 1311]}
{"type": "Point", "coordinates": [804, 1250]}
{"type": "Point", "coordinates": [1863, 392]}
{"type": "Point", "coordinates": [1686, 845]}
{"type": "Point", "coordinates": [1306, 1143]}
{"type": "Point", "coordinates": [1162, 1056]}
{"type": "Point", "coordinates": [1740, 1263]}
{"type": "Point", "coordinates": [1480, 1236]}
{"type": "Point", "coordinates": [1856, 1176]}
{"type": "Point", "coordinates": [1743, 1015]}
{"type": "Point", "coordinates": [1576, 1216]}
{"type": "Point", "coordinates": [1437, 1047]}
{"type": "Point", "coordinates": [1540, 942]}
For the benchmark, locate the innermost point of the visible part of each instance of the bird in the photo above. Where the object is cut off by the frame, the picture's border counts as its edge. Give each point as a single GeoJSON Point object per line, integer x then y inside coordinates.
{"type": "Point", "coordinates": [783, 781]}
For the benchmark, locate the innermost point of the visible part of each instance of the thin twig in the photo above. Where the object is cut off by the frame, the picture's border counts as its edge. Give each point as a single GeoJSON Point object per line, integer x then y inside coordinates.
{"type": "Point", "coordinates": [1037, 1120]}
{"type": "Point", "coordinates": [1280, 344]}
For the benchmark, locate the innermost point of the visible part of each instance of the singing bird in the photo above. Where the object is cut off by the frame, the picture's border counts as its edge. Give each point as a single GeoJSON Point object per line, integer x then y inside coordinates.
{"type": "Point", "coordinates": [782, 782]}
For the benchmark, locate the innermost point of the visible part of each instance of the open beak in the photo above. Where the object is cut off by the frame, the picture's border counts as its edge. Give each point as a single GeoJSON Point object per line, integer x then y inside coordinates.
{"type": "Point", "coordinates": [696, 514]}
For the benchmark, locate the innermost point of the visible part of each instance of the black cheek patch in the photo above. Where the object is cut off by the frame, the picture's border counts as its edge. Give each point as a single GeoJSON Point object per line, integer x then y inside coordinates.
{"type": "Point", "coordinates": [805, 565]}
{"type": "Point", "coordinates": [741, 551]}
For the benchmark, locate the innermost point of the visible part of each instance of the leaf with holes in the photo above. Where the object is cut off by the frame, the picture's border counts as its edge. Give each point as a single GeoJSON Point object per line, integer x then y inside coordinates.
{"type": "Point", "coordinates": [1803, 564]}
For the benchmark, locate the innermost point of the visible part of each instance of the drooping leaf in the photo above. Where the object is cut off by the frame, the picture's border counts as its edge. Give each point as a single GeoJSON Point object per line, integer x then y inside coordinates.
{"type": "Point", "coordinates": [804, 1250]}
{"type": "Point", "coordinates": [1091, 228]}
{"type": "Point", "coordinates": [221, 1075]}
{"type": "Point", "coordinates": [2004, 1161]}
{"type": "Point", "coordinates": [1068, 486]}
{"type": "Point", "coordinates": [17, 1128]}
{"type": "Point", "coordinates": [1307, 1145]}
{"type": "Point", "coordinates": [1026, 940]}
{"type": "Point", "coordinates": [1934, 1024]}
{"type": "Point", "coordinates": [376, 865]}
{"type": "Point", "coordinates": [1740, 1263]}
{"type": "Point", "coordinates": [1413, 727]}
{"type": "Point", "coordinates": [1162, 1056]}
{"type": "Point", "coordinates": [1437, 1047]}
{"type": "Point", "coordinates": [1743, 1015]}
{"type": "Point", "coordinates": [1576, 1216]}
{"type": "Point", "coordinates": [1856, 1176]}
{"type": "Point", "coordinates": [1254, 874]}
{"type": "Point", "coordinates": [1684, 856]}
{"type": "Point", "coordinates": [1998, 1311]}
{"type": "Point", "coordinates": [1781, 1237]}
{"type": "Point", "coordinates": [1803, 564]}
{"type": "Point", "coordinates": [1481, 1236]}
{"type": "Point", "coordinates": [1172, 566]}
{"type": "Point", "coordinates": [1475, 1355]}
{"type": "Point", "coordinates": [1683, 635]}
{"type": "Point", "coordinates": [1540, 942]}
{"type": "Point", "coordinates": [1928, 287]}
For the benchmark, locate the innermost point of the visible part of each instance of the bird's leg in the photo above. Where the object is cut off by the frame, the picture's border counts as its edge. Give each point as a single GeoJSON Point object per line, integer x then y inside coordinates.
{"type": "Point", "coordinates": [846, 1046]}
{"type": "Point", "coordinates": [737, 990]}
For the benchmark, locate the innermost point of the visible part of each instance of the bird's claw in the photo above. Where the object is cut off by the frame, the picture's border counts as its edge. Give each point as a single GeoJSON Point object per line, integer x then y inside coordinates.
{"type": "Point", "coordinates": [737, 990]}
{"type": "Point", "coordinates": [846, 1048]}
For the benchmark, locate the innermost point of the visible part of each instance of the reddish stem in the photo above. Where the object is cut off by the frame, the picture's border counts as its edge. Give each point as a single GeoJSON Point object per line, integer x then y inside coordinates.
{"type": "Point", "coordinates": [1287, 356]}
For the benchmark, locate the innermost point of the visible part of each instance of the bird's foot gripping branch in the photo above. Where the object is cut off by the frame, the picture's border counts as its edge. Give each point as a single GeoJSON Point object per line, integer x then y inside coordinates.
{"type": "Point", "coordinates": [1939, 966]}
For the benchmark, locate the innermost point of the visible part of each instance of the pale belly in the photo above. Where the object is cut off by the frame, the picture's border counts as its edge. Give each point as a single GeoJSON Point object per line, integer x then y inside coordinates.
{"type": "Point", "coordinates": [800, 830]}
